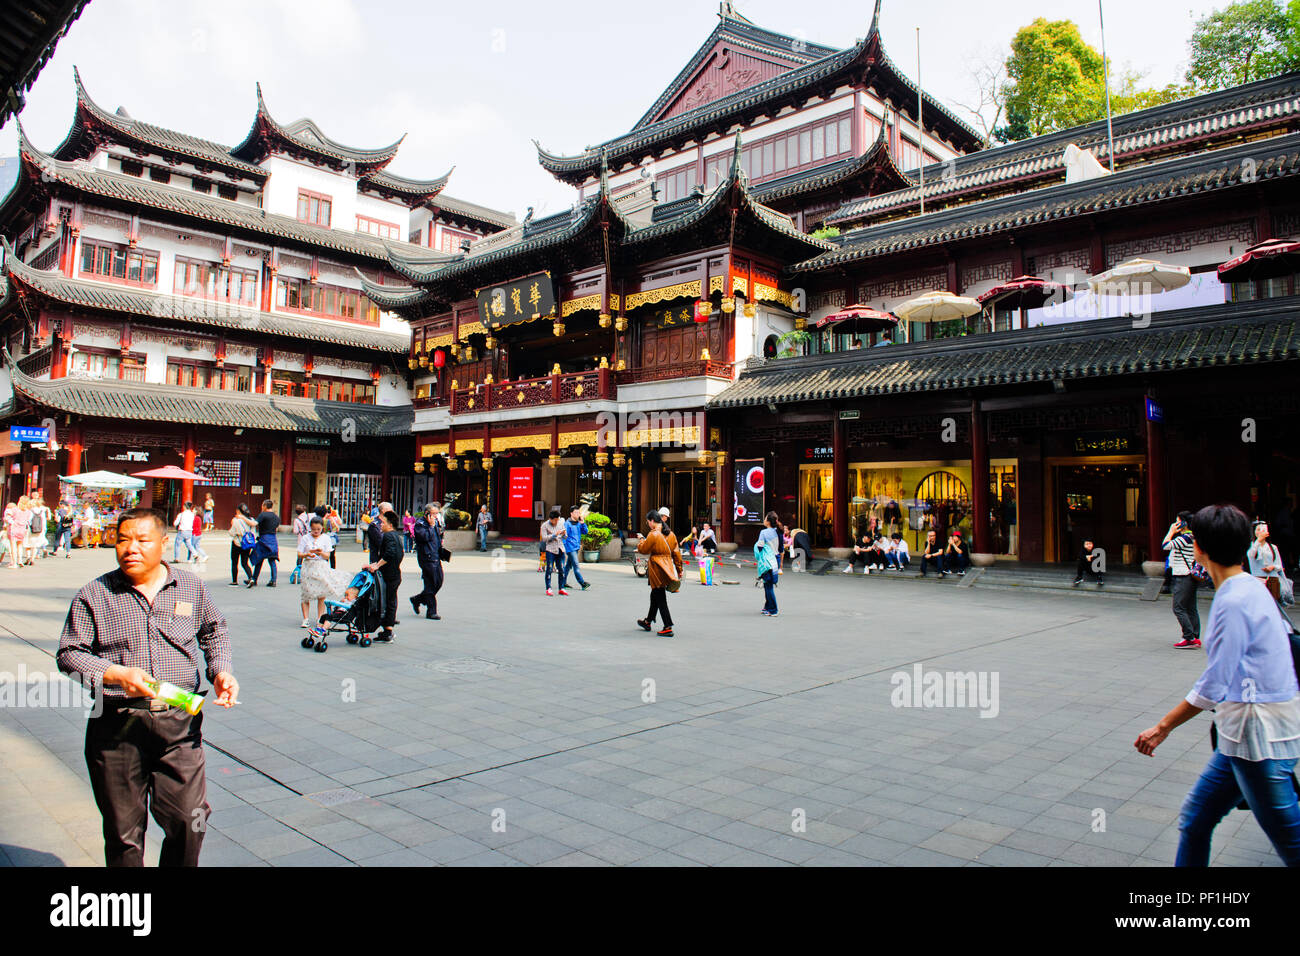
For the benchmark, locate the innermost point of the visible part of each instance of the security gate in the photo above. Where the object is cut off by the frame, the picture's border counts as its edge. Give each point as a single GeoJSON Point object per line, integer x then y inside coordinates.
{"type": "Point", "coordinates": [353, 495]}
{"type": "Point", "coordinates": [399, 493]}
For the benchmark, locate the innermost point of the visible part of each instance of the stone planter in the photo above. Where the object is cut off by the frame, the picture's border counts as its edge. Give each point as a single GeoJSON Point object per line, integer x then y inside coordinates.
{"type": "Point", "coordinates": [459, 540]}
{"type": "Point", "coordinates": [590, 557]}
{"type": "Point", "coordinates": [728, 547]}
{"type": "Point", "coordinates": [981, 560]}
{"type": "Point", "coordinates": [840, 554]}
{"type": "Point", "coordinates": [493, 535]}
{"type": "Point", "coordinates": [1153, 569]}
{"type": "Point", "coordinates": [612, 551]}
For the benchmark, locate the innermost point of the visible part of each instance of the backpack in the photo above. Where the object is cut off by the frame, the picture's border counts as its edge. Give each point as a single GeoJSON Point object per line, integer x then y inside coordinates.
{"type": "Point", "coordinates": [38, 522]}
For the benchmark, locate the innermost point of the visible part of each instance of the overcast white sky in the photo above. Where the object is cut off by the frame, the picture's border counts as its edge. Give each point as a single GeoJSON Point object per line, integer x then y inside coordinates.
{"type": "Point", "coordinates": [472, 83]}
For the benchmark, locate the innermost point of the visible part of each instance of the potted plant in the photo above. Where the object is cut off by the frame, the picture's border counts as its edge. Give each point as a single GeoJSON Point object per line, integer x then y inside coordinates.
{"type": "Point", "coordinates": [597, 536]}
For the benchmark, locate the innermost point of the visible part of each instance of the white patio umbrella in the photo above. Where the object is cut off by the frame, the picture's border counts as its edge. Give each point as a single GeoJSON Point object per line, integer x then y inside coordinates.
{"type": "Point", "coordinates": [1140, 276]}
{"type": "Point", "coordinates": [103, 479]}
{"type": "Point", "coordinates": [938, 307]}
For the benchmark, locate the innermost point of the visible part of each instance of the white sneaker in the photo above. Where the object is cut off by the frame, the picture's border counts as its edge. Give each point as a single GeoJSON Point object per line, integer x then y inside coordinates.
{"type": "Point", "coordinates": [866, 570]}
{"type": "Point", "coordinates": [849, 569]}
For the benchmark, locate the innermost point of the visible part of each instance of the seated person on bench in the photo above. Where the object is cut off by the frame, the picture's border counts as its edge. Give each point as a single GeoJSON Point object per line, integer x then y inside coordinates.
{"type": "Point", "coordinates": [933, 554]}
{"type": "Point", "coordinates": [956, 557]}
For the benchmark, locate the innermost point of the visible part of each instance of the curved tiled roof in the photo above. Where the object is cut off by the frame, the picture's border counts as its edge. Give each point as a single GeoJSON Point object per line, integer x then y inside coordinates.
{"type": "Point", "coordinates": [877, 157]}
{"type": "Point", "coordinates": [30, 29]}
{"type": "Point", "coordinates": [188, 310]}
{"type": "Point", "coordinates": [140, 192]}
{"type": "Point", "coordinates": [137, 401]}
{"type": "Point", "coordinates": [153, 137]}
{"type": "Point", "coordinates": [411, 191]}
{"type": "Point", "coordinates": [1230, 334]}
{"type": "Point", "coordinates": [1248, 164]}
{"type": "Point", "coordinates": [306, 136]}
{"type": "Point", "coordinates": [1273, 101]}
{"type": "Point", "coordinates": [631, 147]}
{"type": "Point", "coordinates": [470, 210]}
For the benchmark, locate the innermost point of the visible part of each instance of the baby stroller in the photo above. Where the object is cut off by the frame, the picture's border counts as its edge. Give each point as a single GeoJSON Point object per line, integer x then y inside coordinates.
{"type": "Point", "coordinates": [358, 617]}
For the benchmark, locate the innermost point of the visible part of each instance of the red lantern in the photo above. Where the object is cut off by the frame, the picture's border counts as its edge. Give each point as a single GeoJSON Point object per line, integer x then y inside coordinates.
{"type": "Point", "coordinates": [702, 310]}
{"type": "Point", "coordinates": [439, 359]}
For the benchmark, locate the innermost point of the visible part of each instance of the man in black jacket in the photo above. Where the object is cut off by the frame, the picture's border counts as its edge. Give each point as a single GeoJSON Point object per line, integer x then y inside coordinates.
{"type": "Point", "coordinates": [428, 548]}
{"type": "Point", "coordinates": [375, 532]}
{"type": "Point", "coordinates": [388, 565]}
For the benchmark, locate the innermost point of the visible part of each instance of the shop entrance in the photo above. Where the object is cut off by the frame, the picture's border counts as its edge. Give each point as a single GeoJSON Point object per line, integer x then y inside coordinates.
{"type": "Point", "coordinates": [816, 507]}
{"type": "Point", "coordinates": [1099, 499]}
{"type": "Point", "coordinates": [686, 493]}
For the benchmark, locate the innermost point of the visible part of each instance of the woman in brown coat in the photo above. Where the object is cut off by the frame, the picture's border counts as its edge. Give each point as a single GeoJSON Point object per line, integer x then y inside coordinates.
{"type": "Point", "coordinates": [665, 567]}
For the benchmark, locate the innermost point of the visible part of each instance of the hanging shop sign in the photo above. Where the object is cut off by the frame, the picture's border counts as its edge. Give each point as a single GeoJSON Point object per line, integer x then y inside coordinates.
{"type": "Point", "coordinates": [517, 300]}
{"type": "Point", "coordinates": [750, 491]}
{"type": "Point", "coordinates": [311, 441]}
{"type": "Point", "coordinates": [818, 453]}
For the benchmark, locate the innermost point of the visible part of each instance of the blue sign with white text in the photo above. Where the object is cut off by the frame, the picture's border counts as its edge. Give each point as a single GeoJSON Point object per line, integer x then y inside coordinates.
{"type": "Point", "coordinates": [28, 433]}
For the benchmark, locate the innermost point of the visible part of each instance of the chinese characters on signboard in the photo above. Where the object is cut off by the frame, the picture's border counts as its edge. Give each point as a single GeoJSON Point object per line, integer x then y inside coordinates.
{"type": "Point", "coordinates": [672, 318]}
{"type": "Point", "coordinates": [28, 433]}
{"type": "Point", "coordinates": [1103, 443]}
{"type": "Point", "coordinates": [517, 300]}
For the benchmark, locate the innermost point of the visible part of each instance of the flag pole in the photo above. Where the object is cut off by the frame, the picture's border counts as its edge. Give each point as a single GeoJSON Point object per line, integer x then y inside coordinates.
{"type": "Point", "coordinates": [1105, 69]}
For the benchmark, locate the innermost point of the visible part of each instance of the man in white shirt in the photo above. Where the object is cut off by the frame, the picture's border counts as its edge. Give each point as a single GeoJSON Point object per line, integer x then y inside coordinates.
{"type": "Point", "coordinates": [184, 525]}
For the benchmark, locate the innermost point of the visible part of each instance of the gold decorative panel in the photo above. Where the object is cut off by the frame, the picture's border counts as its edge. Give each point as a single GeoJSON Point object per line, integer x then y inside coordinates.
{"type": "Point", "coordinates": [682, 289]}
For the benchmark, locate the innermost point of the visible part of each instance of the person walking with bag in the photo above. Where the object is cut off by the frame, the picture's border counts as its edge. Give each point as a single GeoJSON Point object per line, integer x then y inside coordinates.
{"type": "Point", "coordinates": [242, 538]}
{"type": "Point", "coordinates": [1250, 683]}
{"type": "Point", "coordinates": [1178, 542]}
{"type": "Point", "coordinates": [1265, 561]}
{"type": "Point", "coordinates": [268, 546]}
{"type": "Point", "coordinates": [664, 572]}
{"type": "Point", "coordinates": [765, 551]}
{"type": "Point", "coordinates": [428, 554]}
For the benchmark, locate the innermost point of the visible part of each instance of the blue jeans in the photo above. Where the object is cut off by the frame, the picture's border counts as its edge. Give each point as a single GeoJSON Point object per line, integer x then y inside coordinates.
{"type": "Point", "coordinates": [769, 591]}
{"type": "Point", "coordinates": [482, 537]}
{"type": "Point", "coordinates": [556, 561]}
{"type": "Point", "coordinates": [183, 538]}
{"type": "Point", "coordinates": [1268, 788]}
{"type": "Point", "coordinates": [571, 564]}
{"type": "Point", "coordinates": [65, 541]}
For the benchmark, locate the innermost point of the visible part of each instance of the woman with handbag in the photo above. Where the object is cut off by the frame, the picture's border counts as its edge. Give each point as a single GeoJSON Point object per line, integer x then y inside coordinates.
{"type": "Point", "coordinates": [242, 539]}
{"type": "Point", "coordinates": [766, 552]}
{"type": "Point", "coordinates": [1265, 561]}
{"type": "Point", "coordinates": [664, 572]}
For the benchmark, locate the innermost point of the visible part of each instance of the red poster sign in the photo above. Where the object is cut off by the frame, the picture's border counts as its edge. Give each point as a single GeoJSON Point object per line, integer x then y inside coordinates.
{"type": "Point", "coordinates": [521, 493]}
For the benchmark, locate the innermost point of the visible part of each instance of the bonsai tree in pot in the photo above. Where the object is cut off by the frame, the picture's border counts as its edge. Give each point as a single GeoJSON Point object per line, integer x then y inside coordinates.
{"type": "Point", "coordinates": [597, 536]}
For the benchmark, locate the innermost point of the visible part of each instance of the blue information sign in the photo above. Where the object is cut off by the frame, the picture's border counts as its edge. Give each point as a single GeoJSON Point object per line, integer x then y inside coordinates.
{"type": "Point", "coordinates": [1155, 413]}
{"type": "Point", "coordinates": [28, 433]}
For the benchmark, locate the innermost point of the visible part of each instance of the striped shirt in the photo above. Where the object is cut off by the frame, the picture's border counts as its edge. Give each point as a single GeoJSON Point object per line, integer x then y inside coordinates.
{"type": "Point", "coordinates": [1181, 555]}
{"type": "Point", "coordinates": [110, 622]}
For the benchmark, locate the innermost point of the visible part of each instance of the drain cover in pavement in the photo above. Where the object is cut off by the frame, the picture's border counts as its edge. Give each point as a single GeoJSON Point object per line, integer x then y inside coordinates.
{"type": "Point", "coordinates": [464, 665]}
{"type": "Point", "coordinates": [332, 798]}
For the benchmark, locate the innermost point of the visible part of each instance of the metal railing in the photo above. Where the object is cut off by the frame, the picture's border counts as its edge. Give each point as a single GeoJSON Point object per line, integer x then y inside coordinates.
{"type": "Point", "coordinates": [659, 373]}
{"type": "Point", "coordinates": [532, 392]}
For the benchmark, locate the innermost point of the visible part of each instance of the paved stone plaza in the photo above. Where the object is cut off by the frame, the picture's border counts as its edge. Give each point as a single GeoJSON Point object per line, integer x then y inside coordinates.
{"type": "Point", "coordinates": [537, 715]}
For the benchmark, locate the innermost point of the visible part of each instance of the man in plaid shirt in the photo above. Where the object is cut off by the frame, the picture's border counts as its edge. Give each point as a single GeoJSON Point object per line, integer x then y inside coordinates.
{"type": "Point", "coordinates": [127, 629]}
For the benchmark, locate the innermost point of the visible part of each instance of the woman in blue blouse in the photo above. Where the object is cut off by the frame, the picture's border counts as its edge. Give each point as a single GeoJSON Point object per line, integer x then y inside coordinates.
{"type": "Point", "coordinates": [1250, 683]}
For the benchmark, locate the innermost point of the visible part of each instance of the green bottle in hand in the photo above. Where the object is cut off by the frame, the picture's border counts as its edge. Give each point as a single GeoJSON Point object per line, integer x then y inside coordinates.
{"type": "Point", "coordinates": [189, 702]}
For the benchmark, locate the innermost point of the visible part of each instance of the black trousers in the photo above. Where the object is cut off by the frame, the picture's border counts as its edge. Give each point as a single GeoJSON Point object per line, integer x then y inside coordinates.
{"type": "Point", "coordinates": [142, 762]}
{"type": "Point", "coordinates": [936, 563]}
{"type": "Point", "coordinates": [1185, 609]}
{"type": "Point", "coordinates": [390, 601]}
{"type": "Point", "coordinates": [431, 575]}
{"type": "Point", "coordinates": [1084, 568]}
{"type": "Point", "coordinates": [658, 604]}
{"type": "Point", "coordinates": [238, 559]}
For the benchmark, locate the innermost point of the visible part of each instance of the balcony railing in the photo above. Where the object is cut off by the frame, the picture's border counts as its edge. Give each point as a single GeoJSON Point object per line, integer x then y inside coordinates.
{"type": "Point", "coordinates": [429, 401]}
{"type": "Point", "coordinates": [532, 392]}
{"type": "Point", "coordinates": [36, 364]}
{"type": "Point", "coordinates": [658, 373]}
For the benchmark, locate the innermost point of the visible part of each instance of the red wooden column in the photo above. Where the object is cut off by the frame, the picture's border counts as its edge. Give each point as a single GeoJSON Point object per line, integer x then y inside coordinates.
{"type": "Point", "coordinates": [187, 486]}
{"type": "Point", "coordinates": [979, 478]}
{"type": "Point", "coordinates": [75, 449]}
{"type": "Point", "coordinates": [1157, 506]}
{"type": "Point", "coordinates": [286, 485]}
{"type": "Point", "coordinates": [840, 488]}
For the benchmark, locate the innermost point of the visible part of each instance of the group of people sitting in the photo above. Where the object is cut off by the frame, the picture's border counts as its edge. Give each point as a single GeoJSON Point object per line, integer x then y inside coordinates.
{"type": "Point", "coordinates": [872, 551]}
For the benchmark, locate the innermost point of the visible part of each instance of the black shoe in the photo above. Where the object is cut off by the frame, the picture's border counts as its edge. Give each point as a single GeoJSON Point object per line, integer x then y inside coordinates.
{"type": "Point", "coordinates": [433, 617]}
{"type": "Point", "coordinates": [271, 584]}
{"type": "Point", "coordinates": [644, 624]}
{"type": "Point", "coordinates": [1077, 582]}
{"type": "Point", "coordinates": [250, 584]}
{"type": "Point", "coordinates": [416, 605]}
{"type": "Point", "coordinates": [233, 584]}
{"type": "Point", "coordinates": [384, 637]}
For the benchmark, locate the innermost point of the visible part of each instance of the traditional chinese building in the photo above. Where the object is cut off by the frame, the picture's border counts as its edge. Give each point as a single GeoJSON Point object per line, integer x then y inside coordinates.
{"type": "Point", "coordinates": [1033, 428]}
{"type": "Point", "coordinates": [633, 308]}
{"type": "Point", "coordinates": [169, 300]}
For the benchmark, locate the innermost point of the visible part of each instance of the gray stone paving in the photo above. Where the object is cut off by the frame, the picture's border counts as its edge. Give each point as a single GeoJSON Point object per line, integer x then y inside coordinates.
{"type": "Point", "coordinates": [529, 711]}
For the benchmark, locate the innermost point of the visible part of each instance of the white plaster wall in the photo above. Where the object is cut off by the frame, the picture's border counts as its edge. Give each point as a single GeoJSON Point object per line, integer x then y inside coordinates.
{"type": "Point", "coordinates": [383, 210]}
{"type": "Point", "coordinates": [288, 176]}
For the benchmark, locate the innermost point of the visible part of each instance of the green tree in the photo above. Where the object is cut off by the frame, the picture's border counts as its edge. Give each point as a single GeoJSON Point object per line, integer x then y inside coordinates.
{"type": "Point", "coordinates": [1245, 41]}
{"type": "Point", "coordinates": [1054, 80]}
